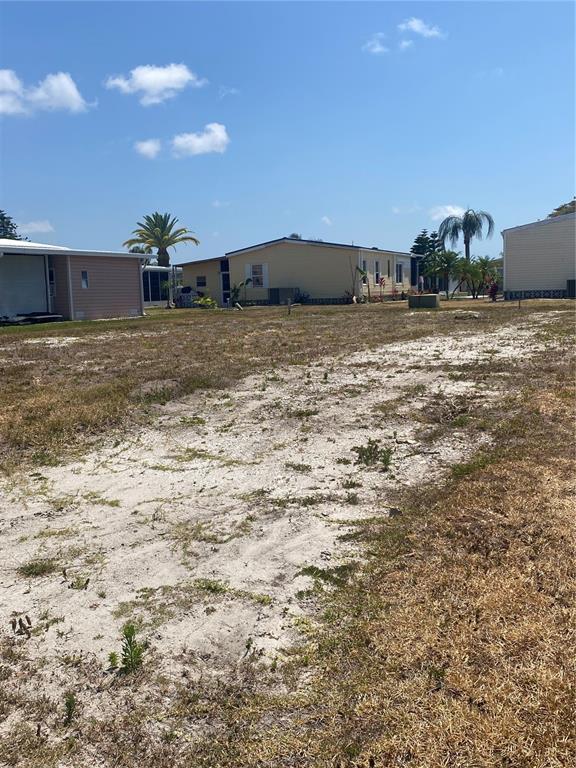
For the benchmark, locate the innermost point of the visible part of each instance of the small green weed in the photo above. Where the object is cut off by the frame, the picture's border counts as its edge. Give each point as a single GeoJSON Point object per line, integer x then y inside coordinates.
{"type": "Point", "coordinates": [132, 650]}
{"type": "Point", "coordinates": [70, 705]}
{"type": "Point", "coordinates": [373, 455]}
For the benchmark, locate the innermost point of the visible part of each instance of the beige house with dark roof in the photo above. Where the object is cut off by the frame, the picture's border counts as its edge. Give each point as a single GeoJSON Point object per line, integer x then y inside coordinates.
{"type": "Point", "coordinates": [540, 258]}
{"type": "Point", "coordinates": [290, 268]}
{"type": "Point", "coordinates": [37, 279]}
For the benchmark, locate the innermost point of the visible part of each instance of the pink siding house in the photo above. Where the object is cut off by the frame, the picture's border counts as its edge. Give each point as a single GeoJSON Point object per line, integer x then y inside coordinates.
{"type": "Point", "coordinates": [78, 285]}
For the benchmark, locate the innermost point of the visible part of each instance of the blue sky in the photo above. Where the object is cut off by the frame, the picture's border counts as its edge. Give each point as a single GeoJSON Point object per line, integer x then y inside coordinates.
{"type": "Point", "coordinates": [360, 122]}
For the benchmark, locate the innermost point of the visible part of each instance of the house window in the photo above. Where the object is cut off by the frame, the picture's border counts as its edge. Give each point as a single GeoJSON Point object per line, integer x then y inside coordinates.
{"type": "Point", "coordinates": [84, 278]}
{"type": "Point", "coordinates": [365, 269]}
{"type": "Point", "coordinates": [388, 267]}
{"type": "Point", "coordinates": [376, 273]}
{"type": "Point", "coordinates": [399, 273]}
{"type": "Point", "coordinates": [257, 275]}
{"type": "Point", "coordinates": [201, 281]}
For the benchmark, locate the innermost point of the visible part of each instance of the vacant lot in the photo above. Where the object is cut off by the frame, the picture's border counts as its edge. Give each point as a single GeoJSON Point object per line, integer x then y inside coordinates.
{"type": "Point", "coordinates": [344, 537]}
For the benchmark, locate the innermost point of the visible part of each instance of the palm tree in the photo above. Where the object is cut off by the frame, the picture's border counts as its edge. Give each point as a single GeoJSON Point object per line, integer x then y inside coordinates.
{"type": "Point", "coordinates": [158, 231]}
{"type": "Point", "coordinates": [445, 264]}
{"type": "Point", "coordinates": [488, 269]}
{"type": "Point", "coordinates": [365, 281]}
{"type": "Point", "coordinates": [469, 225]}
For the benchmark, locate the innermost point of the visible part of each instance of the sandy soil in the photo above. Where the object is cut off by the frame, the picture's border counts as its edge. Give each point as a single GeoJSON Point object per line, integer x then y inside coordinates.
{"type": "Point", "coordinates": [200, 525]}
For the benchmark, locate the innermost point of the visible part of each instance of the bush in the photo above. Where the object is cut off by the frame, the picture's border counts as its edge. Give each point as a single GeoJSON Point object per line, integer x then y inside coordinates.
{"type": "Point", "coordinates": [205, 302]}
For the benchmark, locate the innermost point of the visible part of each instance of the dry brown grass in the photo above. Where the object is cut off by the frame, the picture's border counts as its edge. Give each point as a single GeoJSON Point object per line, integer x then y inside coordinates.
{"type": "Point", "coordinates": [55, 399]}
{"type": "Point", "coordinates": [455, 645]}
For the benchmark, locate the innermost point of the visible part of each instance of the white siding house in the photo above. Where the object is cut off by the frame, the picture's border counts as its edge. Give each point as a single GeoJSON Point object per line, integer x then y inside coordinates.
{"type": "Point", "coordinates": [540, 258]}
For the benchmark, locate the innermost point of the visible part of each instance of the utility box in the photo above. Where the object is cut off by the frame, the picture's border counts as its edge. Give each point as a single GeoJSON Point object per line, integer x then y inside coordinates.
{"type": "Point", "coordinates": [424, 301]}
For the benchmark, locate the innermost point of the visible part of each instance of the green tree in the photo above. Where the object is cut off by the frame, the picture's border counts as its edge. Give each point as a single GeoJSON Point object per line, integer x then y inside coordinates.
{"type": "Point", "coordinates": [445, 264]}
{"type": "Point", "coordinates": [471, 224]}
{"type": "Point", "coordinates": [159, 231]}
{"type": "Point", "coordinates": [488, 269]}
{"type": "Point", "coordinates": [435, 244]}
{"type": "Point", "coordinates": [564, 208]}
{"type": "Point", "coordinates": [470, 273]}
{"type": "Point", "coordinates": [8, 228]}
{"type": "Point", "coordinates": [421, 245]}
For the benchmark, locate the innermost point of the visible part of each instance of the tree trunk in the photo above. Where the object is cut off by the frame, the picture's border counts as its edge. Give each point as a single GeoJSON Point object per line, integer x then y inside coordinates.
{"type": "Point", "coordinates": [163, 257]}
{"type": "Point", "coordinates": [447, 286]}
{"type": "Point", "coordinates": [467, 248]}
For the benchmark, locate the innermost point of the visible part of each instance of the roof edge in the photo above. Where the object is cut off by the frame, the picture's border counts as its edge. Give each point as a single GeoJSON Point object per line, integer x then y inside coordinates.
{"type": "Point", "coordinates": [314, 243]}
{"type": "Point", "coordinates": [547, 220]}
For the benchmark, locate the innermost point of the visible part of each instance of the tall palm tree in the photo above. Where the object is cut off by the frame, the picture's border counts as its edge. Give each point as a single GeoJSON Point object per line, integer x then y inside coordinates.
{"type": "Point", "coordinates": [469, 225]}
{"type": "Point", "coordinates": [158, 231]}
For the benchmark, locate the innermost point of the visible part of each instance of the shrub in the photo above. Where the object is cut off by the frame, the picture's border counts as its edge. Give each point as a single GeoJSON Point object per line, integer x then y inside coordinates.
{"type": "Point", "coordinates": [205, 302]}
{"type": "Point", "coordinates": [40, 566]}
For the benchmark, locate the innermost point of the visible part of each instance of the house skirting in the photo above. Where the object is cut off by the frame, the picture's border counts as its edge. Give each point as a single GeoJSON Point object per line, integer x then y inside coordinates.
{"type": "Point", "coordinates": [548, 293]}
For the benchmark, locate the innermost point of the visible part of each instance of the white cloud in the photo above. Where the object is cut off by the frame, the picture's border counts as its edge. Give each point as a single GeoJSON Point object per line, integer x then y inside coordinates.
{"type": "Point", "coordinates": [220, 204]}
{"type": "Point", "coordinates": [405, 44]}
{"type": "Point", "coordinates": [375, 44]}
{"type": "Point", "coordinates": [36, 227]}
{"type": "Point", "coordinates": [214, 138]}
{"type": "Point", "coordinates": [225, 90]}
{"type": "Point", "coordinates": [57, 91]}
{"type": "Point", "coordinates": [440, 212]}
{"type": "Point", "coordinates": [420, 27]}
{"type": "Point", "coordinates": [149, 148]}
{"type": "Point", "coordinates": [326, 220]}
{"type": "Point", "coordinates": [156, 84]}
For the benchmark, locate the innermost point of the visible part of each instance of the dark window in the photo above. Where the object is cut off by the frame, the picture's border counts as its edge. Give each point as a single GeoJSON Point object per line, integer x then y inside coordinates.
{"type": "Point", "coordinates": [200, 282]}
{"type": "Point", "coordinates": [155, 286]}
{"type": "Point", "coordinates": [84, 278]}
{"type": "Point", "coordinates": [224, 265]}
{"type": "Point", "coordinates": [146, 285]}
{"type": "Point", "coordinates": [226, 281]}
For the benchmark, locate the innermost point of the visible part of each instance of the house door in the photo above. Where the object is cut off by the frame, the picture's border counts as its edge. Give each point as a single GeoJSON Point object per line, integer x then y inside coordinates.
{"type": "Point", "coordinates": [225, 281]}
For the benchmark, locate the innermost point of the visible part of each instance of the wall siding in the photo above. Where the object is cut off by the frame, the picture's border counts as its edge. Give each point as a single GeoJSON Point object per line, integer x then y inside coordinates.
{"type": "Point", "coordinates": [114, 288]}
{"type": "Point", "coordinates": [60, 302]}
{"type": "Point", "coordinates": [540, 257]}
{"type": "Point", "coordinates": [208, 269]}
